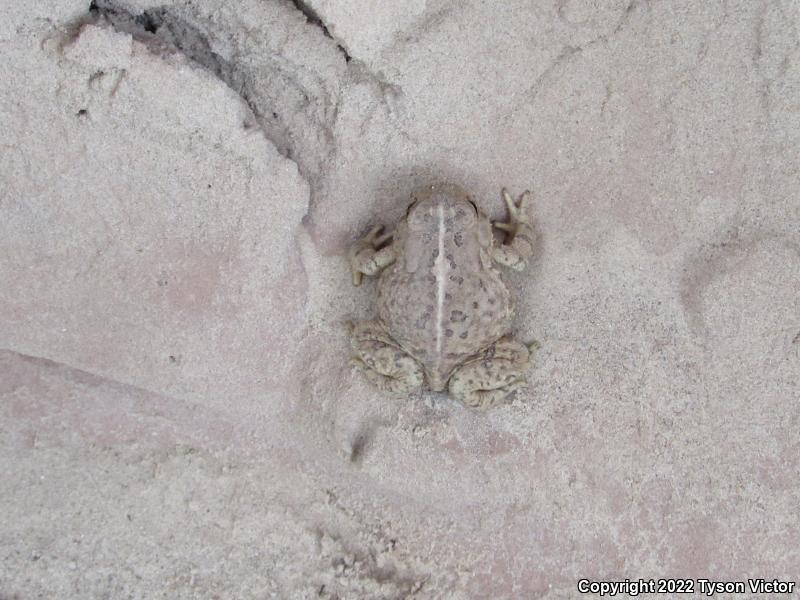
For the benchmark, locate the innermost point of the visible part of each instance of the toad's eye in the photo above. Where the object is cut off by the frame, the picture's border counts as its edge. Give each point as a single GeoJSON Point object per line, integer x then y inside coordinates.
{"type": "Point", "coordinates": [419, 217]}
{"type": "Point", "coordinates": [465, 214]}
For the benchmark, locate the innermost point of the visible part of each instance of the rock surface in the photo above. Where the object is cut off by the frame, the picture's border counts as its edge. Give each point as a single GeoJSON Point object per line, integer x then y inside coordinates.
{"type": "Point", "coordinates": [179, 182]}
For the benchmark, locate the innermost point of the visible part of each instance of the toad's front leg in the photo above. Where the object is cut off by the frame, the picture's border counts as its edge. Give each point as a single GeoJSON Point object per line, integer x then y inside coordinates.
{"type": "Point", "coordinates": [367, 257]}
{"type": "Point", "coordinates": [383, 361]}
{"type": "Point", "coordinates": [517, 248]}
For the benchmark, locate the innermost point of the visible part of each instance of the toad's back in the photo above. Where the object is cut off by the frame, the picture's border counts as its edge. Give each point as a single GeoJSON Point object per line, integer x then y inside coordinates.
{"type": "Point", "coordinates": [440, 301]}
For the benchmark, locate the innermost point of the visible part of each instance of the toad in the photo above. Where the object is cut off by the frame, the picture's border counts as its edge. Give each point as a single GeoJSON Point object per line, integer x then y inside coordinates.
{"type": "Point", "coordinates": [444, 312]}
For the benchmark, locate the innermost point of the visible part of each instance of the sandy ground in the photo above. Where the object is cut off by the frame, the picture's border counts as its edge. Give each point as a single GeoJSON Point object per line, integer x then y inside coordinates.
{"type": "Point", "coordinates": [179, 183]}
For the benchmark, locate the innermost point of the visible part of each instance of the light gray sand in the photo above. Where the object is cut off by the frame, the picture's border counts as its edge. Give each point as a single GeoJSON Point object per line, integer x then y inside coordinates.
{"type": "Point", "coordinates": [179, 183]}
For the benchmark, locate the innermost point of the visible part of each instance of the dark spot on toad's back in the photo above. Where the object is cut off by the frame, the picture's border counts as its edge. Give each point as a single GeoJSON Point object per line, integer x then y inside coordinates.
{"type": "Point", "coordinates": [457, 316]}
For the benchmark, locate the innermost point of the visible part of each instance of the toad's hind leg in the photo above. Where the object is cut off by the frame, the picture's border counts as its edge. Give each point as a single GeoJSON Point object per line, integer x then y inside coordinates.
{"type": "Point", "coordinates": [491, 376]}
{"type": "Point", "coordinates": [382, 360]}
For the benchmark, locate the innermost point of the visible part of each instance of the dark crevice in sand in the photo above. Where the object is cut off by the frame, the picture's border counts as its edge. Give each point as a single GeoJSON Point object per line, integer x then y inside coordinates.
{"type": "Point", "coordinates": [163, 31]}
{"type": "Point", "coordinates": [276, 90]}
{"type": "Point", "coordinates": [295, 105]}
{"type": "Point", "coordinates": [316, 20]}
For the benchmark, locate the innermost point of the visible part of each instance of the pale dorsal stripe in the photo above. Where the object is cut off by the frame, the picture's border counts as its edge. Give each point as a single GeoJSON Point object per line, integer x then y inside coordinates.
{"type": "Point", "coordinates": [440, 284]}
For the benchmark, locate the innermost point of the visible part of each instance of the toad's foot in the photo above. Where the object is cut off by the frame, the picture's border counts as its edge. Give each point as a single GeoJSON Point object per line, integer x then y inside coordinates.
{"type": "Point", "coordinates": [517, 248]}
{"type": "Point", "coordinates": [383, 362]}
{"type": "Point", "coordinates": [366, 258]}
{"type": "Point", "coordinates": [492, 376]}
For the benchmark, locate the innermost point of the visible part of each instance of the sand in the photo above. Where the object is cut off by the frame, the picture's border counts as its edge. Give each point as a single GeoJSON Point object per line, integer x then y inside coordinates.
{"type": "Point", "coordinates": [179, 184]}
